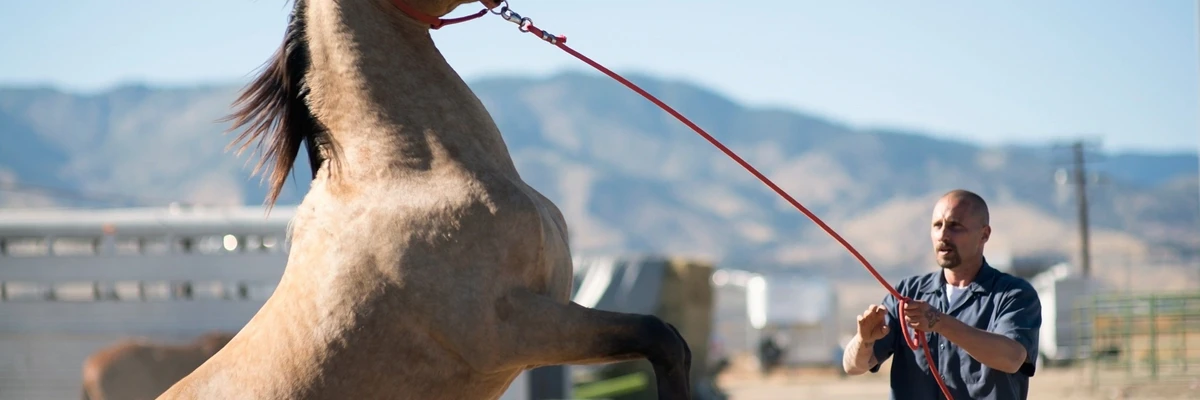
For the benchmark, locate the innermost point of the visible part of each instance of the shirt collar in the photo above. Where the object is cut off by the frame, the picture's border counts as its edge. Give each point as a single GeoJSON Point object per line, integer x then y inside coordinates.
{"type": "Point", "coordinates": [936, 282]}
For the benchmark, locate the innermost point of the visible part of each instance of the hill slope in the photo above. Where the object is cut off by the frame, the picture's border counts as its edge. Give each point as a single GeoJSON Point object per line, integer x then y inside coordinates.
{"type": "Point", "coordinates": [629, 177]}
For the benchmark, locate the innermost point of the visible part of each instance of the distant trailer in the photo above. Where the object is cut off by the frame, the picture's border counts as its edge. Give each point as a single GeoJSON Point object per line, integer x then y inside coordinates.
{"type": "Point", "coordinates": [1065, 336]}
{"type": "Point", "coordinates": [797, 309]}
{"type": "Point", "coordinates": [73, 281]}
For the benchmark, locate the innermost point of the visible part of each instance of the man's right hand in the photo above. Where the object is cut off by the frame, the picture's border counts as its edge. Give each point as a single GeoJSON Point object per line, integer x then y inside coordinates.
{"type": "Point", "coordinates": [860, 358]}
{"type": "Point", "coordinates": [871, 326]}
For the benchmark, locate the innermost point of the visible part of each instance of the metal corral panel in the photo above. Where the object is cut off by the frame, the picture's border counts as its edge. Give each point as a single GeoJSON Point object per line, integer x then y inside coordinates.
{"type": "Point", "coordinates": [256, 267]}
{"type": "Point", "coordinates": [48, 366]}
{"type": "Point", "coordinates": [144, 221]}
{"type": "Point", "coordinates": [43, 343]}
{"type": "Point", "coordinates": [45, 339]}
{"type": "Point", "coordinates": [126, 317]}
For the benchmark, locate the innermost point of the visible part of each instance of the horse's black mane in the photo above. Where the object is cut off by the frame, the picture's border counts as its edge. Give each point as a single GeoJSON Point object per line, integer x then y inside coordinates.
{"type": "Point", "coordinates": [275, 111]}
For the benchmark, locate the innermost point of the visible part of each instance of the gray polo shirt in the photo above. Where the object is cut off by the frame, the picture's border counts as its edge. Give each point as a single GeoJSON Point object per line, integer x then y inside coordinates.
{"type": "Point", "coordinates": [996, 302]}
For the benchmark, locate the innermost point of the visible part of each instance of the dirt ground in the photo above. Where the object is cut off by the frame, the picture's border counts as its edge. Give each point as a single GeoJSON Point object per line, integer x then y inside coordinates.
{"type": "Point", "coordinates": [1050, 384]}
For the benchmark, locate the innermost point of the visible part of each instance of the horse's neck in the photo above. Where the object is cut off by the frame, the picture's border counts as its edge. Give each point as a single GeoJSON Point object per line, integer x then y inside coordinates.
{"type": "Point", "coordinates": [388, 97]}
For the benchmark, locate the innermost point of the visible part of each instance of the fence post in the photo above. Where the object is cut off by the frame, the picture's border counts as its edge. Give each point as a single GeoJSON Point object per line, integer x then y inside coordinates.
{"type": "Point", "coordinates": [1185, 320]}
{"type": "Point", "coordinates": [1126, 305]}
{"type": "Point", "coordinates": [1153, 337]}
{"type": "Point", "coordinates": [1091, 316]}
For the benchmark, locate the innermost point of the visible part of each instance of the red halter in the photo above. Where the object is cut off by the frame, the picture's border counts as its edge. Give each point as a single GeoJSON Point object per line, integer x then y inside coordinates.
{"type": "Point", "coordinates": [434, 22]}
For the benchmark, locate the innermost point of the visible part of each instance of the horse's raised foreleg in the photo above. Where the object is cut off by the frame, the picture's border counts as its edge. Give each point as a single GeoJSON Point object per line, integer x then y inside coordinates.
{"type": "Point", "coordinates": [542, 331]}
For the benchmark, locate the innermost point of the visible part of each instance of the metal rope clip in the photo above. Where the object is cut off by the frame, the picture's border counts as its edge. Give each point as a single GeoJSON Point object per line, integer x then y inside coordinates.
{"type": "Point", "coordinates": [524, 23]}
{"type": "Point", "coordinates": [511, 16]}
{"type": "Point", "coordinates": [547, 36]}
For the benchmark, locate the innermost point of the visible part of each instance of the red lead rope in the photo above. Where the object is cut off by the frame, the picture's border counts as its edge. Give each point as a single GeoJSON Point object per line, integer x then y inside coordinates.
{"type": "Point", "coordinates": [526, 25]}
{"type": "Point", "coordinates": [920, 342]}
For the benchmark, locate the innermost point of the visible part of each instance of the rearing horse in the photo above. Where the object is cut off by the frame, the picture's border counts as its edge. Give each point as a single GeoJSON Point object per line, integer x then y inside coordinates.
{"type": "Point", "coordinates": [421, 265]}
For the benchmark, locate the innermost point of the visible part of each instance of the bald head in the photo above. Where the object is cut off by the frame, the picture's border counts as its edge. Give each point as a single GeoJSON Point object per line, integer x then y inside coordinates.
{"type": "Point", "coordinates": [978, 208]}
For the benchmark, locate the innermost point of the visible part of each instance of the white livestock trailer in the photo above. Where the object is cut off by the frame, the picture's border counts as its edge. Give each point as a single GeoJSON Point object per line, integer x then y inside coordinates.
{"type": "Point", "coordinates": [73, 281]}
{"type": "Point", "coordinates": [1064, 337]}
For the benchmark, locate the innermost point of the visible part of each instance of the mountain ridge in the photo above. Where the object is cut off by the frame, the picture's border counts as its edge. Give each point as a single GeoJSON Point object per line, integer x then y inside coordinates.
{"type": "Point", "coordinates": [629, 177]}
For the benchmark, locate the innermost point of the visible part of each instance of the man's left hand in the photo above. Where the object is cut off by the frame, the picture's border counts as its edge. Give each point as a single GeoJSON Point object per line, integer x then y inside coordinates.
{"type": "Point", "coordinates": [921, 316]}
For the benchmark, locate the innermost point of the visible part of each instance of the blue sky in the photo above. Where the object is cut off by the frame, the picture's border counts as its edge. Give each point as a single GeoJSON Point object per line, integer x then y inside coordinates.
{"type": "Point", "coordinates": [1012, 71]}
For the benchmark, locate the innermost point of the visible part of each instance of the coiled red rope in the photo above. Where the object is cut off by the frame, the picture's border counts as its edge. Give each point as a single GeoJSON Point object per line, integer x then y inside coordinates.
{"type": "Point", "coordinates": [526, 25]}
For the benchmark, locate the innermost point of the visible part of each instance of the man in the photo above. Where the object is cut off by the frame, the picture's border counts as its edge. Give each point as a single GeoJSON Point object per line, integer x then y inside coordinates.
{"type": "Point", "coordinates": [981, 324]}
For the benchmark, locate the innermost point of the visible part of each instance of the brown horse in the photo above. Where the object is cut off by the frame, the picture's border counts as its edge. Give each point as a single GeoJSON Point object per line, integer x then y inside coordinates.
{"type": "Point", "coordinates": [421, 265]}
{"type": "Point", "coordinates": [138, 370]}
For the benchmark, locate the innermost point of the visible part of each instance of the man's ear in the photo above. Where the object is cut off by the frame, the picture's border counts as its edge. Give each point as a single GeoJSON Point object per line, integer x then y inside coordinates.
{"type": "Point", "coordinates": [987, 232]}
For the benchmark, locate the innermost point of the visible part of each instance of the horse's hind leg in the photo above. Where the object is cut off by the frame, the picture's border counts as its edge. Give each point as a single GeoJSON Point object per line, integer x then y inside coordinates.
{"type": "Point", "coordinates": [540, 331]}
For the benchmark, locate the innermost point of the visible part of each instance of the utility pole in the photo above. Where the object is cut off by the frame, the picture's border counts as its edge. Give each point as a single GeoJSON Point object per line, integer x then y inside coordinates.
{"type": "Point", "coordinates": [1080, 178]}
